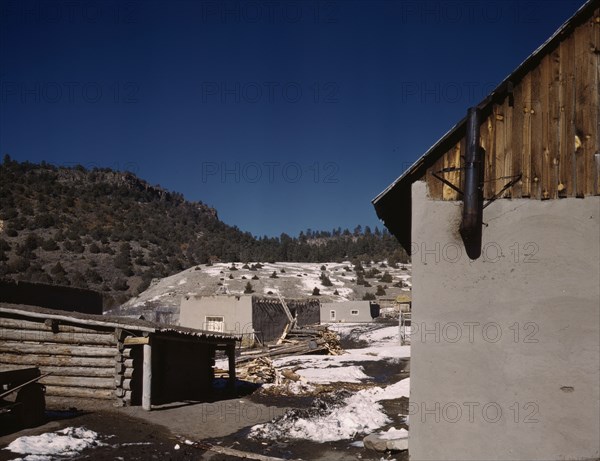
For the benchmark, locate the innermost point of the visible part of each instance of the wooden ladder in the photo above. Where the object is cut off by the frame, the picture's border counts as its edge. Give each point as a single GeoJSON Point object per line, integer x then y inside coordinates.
{"type": "Point", "coordinates": [291, 322]}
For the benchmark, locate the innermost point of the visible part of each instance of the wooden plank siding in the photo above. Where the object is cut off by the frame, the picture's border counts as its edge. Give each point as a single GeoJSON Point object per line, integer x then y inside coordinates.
{"type": "Point", "coordinates": [595, 65]}
{"type": "Point", "coordinates": [547, 130]}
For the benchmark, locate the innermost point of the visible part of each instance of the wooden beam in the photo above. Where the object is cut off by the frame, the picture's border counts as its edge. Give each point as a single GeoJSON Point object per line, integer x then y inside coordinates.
{"type": "Point", "coordinates": [523, 165]}
{"type": "Point", "coordinates": [499, 120]}
{"type": "Point", "coordinates": [508, 148]}
{"type": "Point", "coordinates": [104, 372]}
{"type": "Point", "coordinates": [566, 180]}
{"type": "Point", "coordinates": [540, 164]}
{"type": "Point", "coordinates": [133, 340]}
{"type": "Point", "coordinates": [532, 167]}
{"type": "Point", "coordinates": [56, 360]}
{"type": "Point", "coordinates": [82, 392]}
{"type": "Point", "coordinates": [147, 378]}
{"type": "Point", "coordinates": [452, 160]}
{"type": "Point", "coordinates": [486, 140]}
{"type": "Point", "coordinates": [88, 338]}
{"type": "Point", "coordinates": [78, 321]}
{"type": "Point", "coordinates": [551, 164]}
{"type": "Point", "coordinates": [231, 359]}
{"type": "Point", "coordinates": [15, 323]}
{"type": "Point", "coordinates": [79, 381]}
{"type": "Point", "coordinates": [16, 347]}
{"type": "Point", "coordinates": [595, 67]}
{"type": "Point", "coordinates": [518, 122]}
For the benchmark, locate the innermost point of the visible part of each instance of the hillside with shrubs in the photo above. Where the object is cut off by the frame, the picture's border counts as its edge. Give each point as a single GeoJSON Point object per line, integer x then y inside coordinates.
{"type": "Point", "coordinates": [113, 232]}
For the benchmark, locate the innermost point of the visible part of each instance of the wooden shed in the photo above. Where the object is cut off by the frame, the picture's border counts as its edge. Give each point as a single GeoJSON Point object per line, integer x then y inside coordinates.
{"type": "Point", "coordinates": [128, 361]}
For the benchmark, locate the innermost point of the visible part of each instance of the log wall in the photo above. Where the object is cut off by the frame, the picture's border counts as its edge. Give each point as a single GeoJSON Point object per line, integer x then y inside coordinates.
{"type": "Point", "coordinates": [547, 130]}
{"type": "Point", "coordinates": [83, 360]}
{"type": "Point", "coordinates": [100, 362]}
{"type": "Point", "coordinates": [128, 376]}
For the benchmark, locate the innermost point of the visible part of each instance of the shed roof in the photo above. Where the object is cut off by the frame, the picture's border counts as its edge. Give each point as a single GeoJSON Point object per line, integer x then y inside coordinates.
{"type": "Point", "coordinates": [111, 321]}
{"type": "Point", "coordinates": [393, 204]}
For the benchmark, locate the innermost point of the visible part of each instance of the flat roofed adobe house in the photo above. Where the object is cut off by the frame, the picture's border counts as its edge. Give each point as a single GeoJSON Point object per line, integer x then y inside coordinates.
{"type": "Point", "coordinates": [124, 360]}
{"type": "Point", "coordinates": [501, 216]}
{"type": "Point", "coordinates": [255, 318]}
{"type": "Point", "coordinates": [349, 312]}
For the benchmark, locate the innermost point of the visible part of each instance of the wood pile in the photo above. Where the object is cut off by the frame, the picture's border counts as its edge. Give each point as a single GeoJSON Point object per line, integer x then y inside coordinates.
{"type": "Point", "coordinates": [259, 370]}
{"type": "Point", "coordinates": [257, 365]}
{"type": "Point", "coordinates": [298, 341]}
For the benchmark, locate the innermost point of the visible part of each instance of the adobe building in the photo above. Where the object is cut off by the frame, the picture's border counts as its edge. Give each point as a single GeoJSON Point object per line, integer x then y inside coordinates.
{"type": "Point", "coordinates": [502, 218]}
{"type": "Point", "coordinates": [349, 312]}
{"type": "Point", "coordinates": [254, 318]}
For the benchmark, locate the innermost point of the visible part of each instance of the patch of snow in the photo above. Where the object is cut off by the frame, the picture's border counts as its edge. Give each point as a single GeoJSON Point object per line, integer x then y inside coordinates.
{"type": "Point", "coordinates": [381, 335]}
{"type": "Point", "coordinates": [157, 297]}
{"type": "Point", "coordinates": [347, 374]}
{"type": "Point", "coordinates": [390, 352]}
{"type": "Point", "coordinates": [393, 434]}
{"type": "Point", "coordinates": [66, 442]}
{"type": "Point", "coordinates": [358, 414]}
{"type": "Point", "coordinates": [182, 281]}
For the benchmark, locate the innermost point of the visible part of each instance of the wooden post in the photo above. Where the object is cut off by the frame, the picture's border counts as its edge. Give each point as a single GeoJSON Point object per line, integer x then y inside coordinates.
{"type": "Point", "coordinates": [231, 357]}
{"type": "Point", "coordinates": [147, 377]}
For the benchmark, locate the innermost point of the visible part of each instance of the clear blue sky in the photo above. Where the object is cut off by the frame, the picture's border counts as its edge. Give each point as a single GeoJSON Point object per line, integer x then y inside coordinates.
{"type": "Point", "coordinates": [282, 115]}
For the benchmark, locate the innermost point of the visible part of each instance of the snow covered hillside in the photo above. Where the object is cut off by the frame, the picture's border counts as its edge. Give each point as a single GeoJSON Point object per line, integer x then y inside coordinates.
{"type": "Point", "coordinates": [292, 280]}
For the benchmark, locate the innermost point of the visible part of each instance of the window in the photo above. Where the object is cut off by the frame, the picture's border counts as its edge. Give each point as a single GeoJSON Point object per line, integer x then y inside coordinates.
{"type": "Point", "coordinates": [354, 312]}
{"type": "Point", "coordinates": [214, 324]}
{"type": "Point", "coordinates": [331, 315]}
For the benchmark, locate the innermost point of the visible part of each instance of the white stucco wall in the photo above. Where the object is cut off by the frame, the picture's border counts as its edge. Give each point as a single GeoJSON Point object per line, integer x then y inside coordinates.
{"type": "Point", "coordinates": [235, 310]}
{"type": "Point", "coordinates": [505, 349]}
{"type": "Point", "coordinates": [343, 312]}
